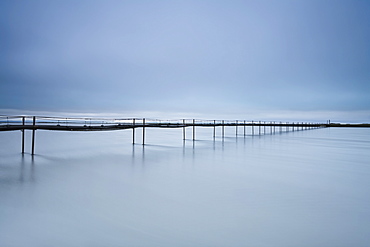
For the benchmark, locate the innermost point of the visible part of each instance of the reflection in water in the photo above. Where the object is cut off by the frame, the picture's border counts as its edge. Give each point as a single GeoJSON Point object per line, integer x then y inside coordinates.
{"type": "Point", "coordinates": [298, 188]}
{"type": "Point", "coordinates": [143, 155]}
{"type": "Point", "coordinates": [32, 174]}
{"type": "Point", "coordinates": [21, 174]}
{"type": "Point", "coordinates": [18, 172]}
{"type": "Point", "coordinates": [133, 154]}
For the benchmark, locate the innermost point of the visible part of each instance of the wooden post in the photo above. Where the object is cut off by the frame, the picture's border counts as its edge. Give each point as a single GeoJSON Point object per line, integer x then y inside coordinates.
{"type": "Point", "coordinates": [270, 127]}
{"type": "Point", "coordinates": [143, 131]}
{"type": "Point", "coordinates": [193, 129]}
{"type": "Point", "coordinates": [214, 129]}
{"type": "Point", "coordinates": [133, 131]}
{"type": "Point", "coordinates": [252, 129]}
{"type": "Point", "coordinates": [223, 129]}
{"type": "Point", "coordinates": [244, 128]}
{"type": "Point", "coordinates": [23, 123]}
{"type": "Point", "coordinates": [33, 135]}
{"type": "Point", "coordinates": [259, 128]}
{"type": "Point", "coordinates": [183, 130]}
{"type": "Point", "coordinates": [236, 128]}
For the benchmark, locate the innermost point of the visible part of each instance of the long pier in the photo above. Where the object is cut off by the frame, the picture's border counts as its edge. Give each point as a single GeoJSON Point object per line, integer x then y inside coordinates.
{"type": "Point", "coordinates": [33, 123]}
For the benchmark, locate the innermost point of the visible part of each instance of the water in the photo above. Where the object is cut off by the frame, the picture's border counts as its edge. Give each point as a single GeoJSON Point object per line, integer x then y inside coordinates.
{"type": "Point", "coordinates": [302, 188]}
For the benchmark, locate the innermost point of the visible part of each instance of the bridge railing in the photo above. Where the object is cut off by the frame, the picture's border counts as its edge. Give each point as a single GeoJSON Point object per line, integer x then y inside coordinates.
{"type": "Point", "coordinates": [83, 121]}
{"type": "Point", "coordinates": [139, 122]}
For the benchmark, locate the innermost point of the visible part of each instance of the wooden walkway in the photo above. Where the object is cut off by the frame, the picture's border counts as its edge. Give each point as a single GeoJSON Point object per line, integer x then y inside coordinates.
{"type": "Point", "coordinates": [33, 123]}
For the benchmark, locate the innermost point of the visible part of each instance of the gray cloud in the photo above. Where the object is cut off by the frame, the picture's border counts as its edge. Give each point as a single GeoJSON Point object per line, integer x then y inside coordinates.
{"type": "Point", "coordinates": [184, 55]}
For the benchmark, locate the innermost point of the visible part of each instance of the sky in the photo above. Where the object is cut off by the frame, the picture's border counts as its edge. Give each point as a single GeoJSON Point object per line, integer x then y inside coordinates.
{"type": "Point", "coordinates": [246, 59]}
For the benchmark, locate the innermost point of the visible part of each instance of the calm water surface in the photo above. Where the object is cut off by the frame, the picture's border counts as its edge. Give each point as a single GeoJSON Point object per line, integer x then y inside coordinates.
{"type": "Point", "coordinates": [302, 188]}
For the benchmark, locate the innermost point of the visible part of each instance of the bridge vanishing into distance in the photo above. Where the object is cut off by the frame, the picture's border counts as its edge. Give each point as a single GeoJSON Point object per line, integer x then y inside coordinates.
{"type": "Point", "coordinates": [33, 123]}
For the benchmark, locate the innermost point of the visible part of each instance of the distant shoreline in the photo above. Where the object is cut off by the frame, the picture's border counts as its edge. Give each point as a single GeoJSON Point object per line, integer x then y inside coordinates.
{"type": "Point", "coordinates": [363, 125]}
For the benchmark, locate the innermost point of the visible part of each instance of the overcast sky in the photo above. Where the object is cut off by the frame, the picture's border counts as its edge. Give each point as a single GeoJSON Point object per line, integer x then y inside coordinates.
{"type": "Point", "coordinates": [185, 56]}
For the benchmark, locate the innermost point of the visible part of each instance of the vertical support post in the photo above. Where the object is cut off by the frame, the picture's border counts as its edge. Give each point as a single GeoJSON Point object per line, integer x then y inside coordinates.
{"type": "Point", "coordinates": [33, 135]}
{"type": "Point", "coordinates": [214, 129]}
{"type": "Point", "coordinates": [193, 129]}
{"type": "Point", "coordinates": [236, 128]}
{"type": "Point", "coordinates": [244, 128]}
{"type": "Point", "coordinates": [183, 130]}
{"type": "Point", "coordinates": [23, 123]}
{"type": "Point", "coordinates": [259, 128]}
{"type": "Point", "coordinates": [223, 128]}
{"type": "Point", "coordinates": [143, 131]}
{"type": "Point", "coordinates": [133, 131]}
{"type": "Point", "coordinates": [252, 129]}
{"type": "Point", "coordinates": [270, 127]}
{"type": "Point", "coordinates": [264, 127]}
{"type": "Point", "coordinates": [281, 126]}
{"type": "Point", "coordinates": [274, 127]}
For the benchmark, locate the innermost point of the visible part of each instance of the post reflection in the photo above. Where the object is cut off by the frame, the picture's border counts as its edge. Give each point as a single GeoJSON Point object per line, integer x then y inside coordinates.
{"type": "Point", "coordinates": [21, 173]}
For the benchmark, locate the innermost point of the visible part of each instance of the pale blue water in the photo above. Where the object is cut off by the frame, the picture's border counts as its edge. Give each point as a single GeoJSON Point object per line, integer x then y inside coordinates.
{"type": "Point", "coordinates": [306, 188]}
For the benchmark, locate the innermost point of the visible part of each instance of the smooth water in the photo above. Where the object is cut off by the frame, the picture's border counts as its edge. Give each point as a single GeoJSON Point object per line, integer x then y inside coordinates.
{"type": "Point", "coordinates": [302, 188]}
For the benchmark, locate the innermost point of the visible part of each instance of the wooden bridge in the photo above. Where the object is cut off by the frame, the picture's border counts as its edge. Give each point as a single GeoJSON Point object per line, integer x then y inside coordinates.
{"type": "Point", "coordinates": [33, 123]}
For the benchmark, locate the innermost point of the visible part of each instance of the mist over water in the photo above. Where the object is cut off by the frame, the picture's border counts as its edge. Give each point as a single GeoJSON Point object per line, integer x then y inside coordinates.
{"type": "Point", "coordinates": [301, 188]}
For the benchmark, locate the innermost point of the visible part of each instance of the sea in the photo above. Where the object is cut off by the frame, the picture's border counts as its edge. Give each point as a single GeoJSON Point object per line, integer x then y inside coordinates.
{"type": "Point", "coordinates": [296, 188]}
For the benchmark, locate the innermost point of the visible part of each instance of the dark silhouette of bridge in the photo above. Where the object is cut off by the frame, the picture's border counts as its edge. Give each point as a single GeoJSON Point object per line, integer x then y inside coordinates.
{"type": "Point", "coordinates": [33, 123]}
